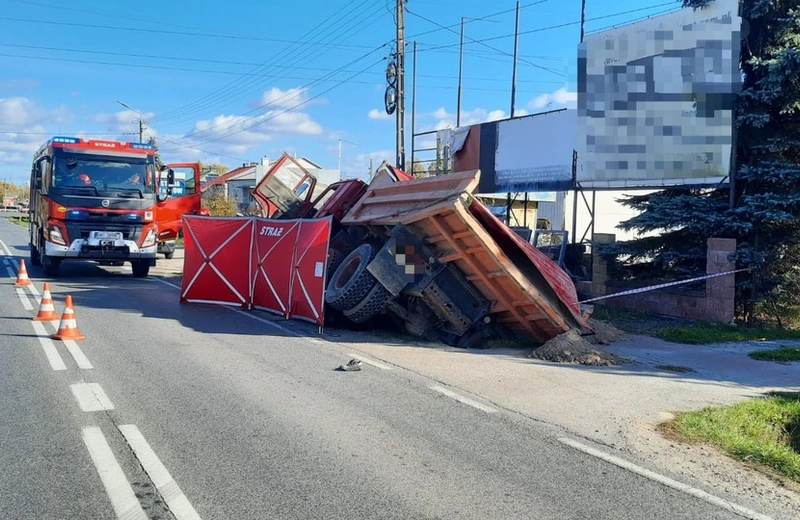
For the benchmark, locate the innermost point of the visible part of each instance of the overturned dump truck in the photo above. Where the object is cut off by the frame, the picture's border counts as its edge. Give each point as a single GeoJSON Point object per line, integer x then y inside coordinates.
{"type": "Point", "coordinates": [434, 258]}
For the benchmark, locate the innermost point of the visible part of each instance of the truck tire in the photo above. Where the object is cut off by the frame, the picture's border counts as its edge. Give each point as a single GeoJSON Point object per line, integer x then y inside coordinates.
{"type": "Point", "coordinates": [335, 259]}
{"type": "Point", "coordinates": [351, 281]}
{"type": "Point", "coordinates": [169, 256]}
{"type": "Point", "coordinates": [373, 304]}
{"type": "Point", "coordinates": [51, 265]}
{"type": "Point", "coordinates": [36, 259]}
{"type": "Point", "coordinates": [140, 268]}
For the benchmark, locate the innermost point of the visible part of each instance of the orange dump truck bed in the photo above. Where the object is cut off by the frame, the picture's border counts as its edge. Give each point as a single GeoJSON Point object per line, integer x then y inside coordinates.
{"type": "Point", "coordinates": [528, 292]}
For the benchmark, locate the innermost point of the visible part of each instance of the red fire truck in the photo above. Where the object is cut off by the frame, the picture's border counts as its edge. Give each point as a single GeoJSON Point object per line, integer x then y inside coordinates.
{"type": "Point", "coordinates": [94, 200]}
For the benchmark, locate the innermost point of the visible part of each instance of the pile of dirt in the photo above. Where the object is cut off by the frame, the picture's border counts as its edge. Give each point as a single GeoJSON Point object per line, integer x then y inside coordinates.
{"type": "Point", "coordinates": [604, 333]}
{"type": "Point", "coordinates": [571, 347]}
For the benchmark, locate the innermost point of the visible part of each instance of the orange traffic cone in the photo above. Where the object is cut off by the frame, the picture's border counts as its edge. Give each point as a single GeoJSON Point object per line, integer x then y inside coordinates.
{"type": "Point", "coordinates": [22, 277]}
{"type": "Point", "coordinates": [47, 312]}
{"type": "Point", "coordinates": [68, 328]}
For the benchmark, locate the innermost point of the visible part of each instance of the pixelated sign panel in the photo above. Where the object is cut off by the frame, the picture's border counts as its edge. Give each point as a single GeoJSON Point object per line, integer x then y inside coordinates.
{"type": "Point", "coordinates": [534, 153]}
{"type": "Point", "coordinates": [655, 99]}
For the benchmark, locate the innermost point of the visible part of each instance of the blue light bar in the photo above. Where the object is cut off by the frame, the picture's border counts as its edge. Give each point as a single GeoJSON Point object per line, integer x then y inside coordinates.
{"type": "Point", "coordinates": [76, 214]}
{"type": "Point", "coordinates": [142, 146]}
{"type": "Point", "coordinates": [66, 140]}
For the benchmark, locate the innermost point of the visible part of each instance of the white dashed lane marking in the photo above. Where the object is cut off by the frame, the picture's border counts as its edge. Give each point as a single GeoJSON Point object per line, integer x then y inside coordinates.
{"type": "Point", "coordinates": [91, 397]}
{"type": "Point", "coordinates": [464, 400]}
{"type": "Point", "coordinates": [48, 346]}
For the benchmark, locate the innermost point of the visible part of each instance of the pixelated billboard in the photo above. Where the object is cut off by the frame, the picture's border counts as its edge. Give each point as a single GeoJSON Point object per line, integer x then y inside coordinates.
{"type": "Point", "coordinates": [655, 99]}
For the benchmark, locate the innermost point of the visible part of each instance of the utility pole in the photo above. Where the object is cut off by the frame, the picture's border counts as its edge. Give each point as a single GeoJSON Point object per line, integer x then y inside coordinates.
{"type": "Point", "coordinates": [514, 68]}
{"type": "Point", "coordinates": [141, 120]}
{"type": "Point", "coordinates": [413, 106]}
{"type": "Point", "coordinates": [460, 73]}
{"type": "Point", "coordinates": [401, 91]}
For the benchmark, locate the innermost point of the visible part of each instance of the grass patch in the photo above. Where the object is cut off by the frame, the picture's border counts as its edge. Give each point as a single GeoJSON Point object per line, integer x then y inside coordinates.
{"type": "Point", "coordinates": [676, 368]}
{"type": "Point", "coordinates": [709, 333]}
{"type": "Point", "coordinates": [781, 355]}
{"type": "Point", "coordinates": [765, 431]}
{"type": "Point", "coordinates": [179, 242]}
{"type": "Point", "coordinates": [20, 221]}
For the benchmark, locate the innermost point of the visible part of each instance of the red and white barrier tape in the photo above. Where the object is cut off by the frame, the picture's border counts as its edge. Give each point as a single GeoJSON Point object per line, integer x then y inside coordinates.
{"type": "Point", "coordinates": [661, 286]}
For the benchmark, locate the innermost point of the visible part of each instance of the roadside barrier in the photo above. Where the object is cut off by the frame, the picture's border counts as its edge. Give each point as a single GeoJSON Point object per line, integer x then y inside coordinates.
{"type": "Point", "coordinates": [68, 328]}
{"type": "Point", "coordinates": [47, 311]}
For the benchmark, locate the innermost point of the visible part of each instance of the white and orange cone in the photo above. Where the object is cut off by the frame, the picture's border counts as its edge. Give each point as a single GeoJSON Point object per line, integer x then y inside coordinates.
{"type": "Point", "coordinates": [47, 311]}
{"type": "Point", "coordinates": [68, 328]}
{"type": "Point", "coordinates": [22, 276]}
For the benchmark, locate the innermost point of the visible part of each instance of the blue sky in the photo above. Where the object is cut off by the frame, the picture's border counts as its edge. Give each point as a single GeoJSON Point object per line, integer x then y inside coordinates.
{"type": "Point", "coordinates": [234, 81]}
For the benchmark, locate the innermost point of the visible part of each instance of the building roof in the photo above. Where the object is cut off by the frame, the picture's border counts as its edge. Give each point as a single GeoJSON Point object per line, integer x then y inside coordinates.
{"type": "Point", "coordinates": [229, 176]}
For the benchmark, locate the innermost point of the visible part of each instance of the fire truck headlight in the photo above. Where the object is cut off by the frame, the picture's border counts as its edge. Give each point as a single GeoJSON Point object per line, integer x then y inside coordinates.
{"type": "Point", "coordinates": [56, 237]}
{"type": "Point", "coordinates": [150, 239]}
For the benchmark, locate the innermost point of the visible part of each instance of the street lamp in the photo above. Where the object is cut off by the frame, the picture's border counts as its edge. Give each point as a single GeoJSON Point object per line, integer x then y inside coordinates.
{"type": "Point", "coordinates": [141, 120]}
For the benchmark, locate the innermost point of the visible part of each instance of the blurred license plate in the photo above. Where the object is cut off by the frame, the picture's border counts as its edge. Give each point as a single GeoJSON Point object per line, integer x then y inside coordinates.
{"type": "Point", "coordinates": [107, 235]}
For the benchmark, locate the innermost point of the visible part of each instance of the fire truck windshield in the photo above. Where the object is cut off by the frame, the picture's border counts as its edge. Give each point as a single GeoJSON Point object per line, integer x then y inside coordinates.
{"type": "Point", "coordinates": [106, 175]}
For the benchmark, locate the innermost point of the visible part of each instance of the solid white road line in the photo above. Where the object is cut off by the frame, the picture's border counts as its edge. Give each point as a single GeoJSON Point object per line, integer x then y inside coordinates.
{"type": "Point", "coordinates": [170, 492]}
{"type": "Point", "coordinates": [23, 298]}
{"type": "Point", "coordinates": [91, 397]}
{"type": "Point", "coordinates": [5, 248]}
{"type": "Point", "coordinates": [376, 364]}
{"type": "Point", "coordinates": [666, 481]}
{"type": "Point", "coordinates": [126, 505]}
{"type": "Point", "coordinates": [464, 400]}
{"type": "Point", "coordinates": [49, 348]}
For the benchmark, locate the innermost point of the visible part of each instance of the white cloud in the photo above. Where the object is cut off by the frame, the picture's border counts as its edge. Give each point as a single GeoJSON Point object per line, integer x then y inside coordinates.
{"type": "Point", "coordinates": [380, 115]}
{"type": "Point", "coordinates": [275, 98]}
{"type": "Point", "coordinates": [125, 122]}
{"type": "Point", "coordinates": [25, 126]}
{"type": "Point", "coordinates": [445, 119]}
{"type": "Point", "coordinates": [19, 84]}
{"type": "Point", "coordinates": [557, 99]}
{"type": "Point", "coordinates": [358, 165]}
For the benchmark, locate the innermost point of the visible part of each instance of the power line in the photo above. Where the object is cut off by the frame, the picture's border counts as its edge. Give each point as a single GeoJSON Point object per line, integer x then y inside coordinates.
{"type": "Point", "coordinates": [551, 27]}
{"type": "Point", "coordinates": [226, 95]}
{"type": "Point", "coordinates": [221, 62]}
{"type": "Point", "coordinates": [282, 76]}
{"type": "Point", "coordinates": [276, 102]}
{"type": "Point", "coordinates": [176, 33]}
{"type": "Point", "coordinates": [486, 17]}
{"type": "Point", "coordinates": [5, 132]}
{"type": "Point", "coordinates": [302, 103]}
{"type": "Point", "coordinates": [481, 42]}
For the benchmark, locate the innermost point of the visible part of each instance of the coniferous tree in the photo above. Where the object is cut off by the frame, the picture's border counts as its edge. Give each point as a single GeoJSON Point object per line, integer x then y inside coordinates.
{"type": "Point", "coordinates": [765, 217]}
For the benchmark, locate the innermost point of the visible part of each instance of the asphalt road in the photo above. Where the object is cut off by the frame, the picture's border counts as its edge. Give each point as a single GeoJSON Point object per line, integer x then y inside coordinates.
{"type": "Point", "coordinates": [210, 413]}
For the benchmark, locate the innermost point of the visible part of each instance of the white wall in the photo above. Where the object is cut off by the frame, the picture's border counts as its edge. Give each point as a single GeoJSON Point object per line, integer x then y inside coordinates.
{"type": "Point", "coordinates": [608, 213]}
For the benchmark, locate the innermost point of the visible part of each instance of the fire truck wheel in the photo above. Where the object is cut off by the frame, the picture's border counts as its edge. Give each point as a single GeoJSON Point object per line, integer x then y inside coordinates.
{"type": "Point", "coordinates": [36, 259]}
{"type": "Point", "coordinates": [373, 304]}
{"type": "Point", "coordinates": [51, 265]}
{"type": "Point", "coordinates": [141, 268]}
{"type": "Point", "coordinates": [169, 256]}
{"type": "Point", "coordinates": [351, 281]}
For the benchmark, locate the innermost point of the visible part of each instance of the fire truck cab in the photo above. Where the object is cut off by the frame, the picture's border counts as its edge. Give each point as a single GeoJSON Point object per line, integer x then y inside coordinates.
{"type": "Point", "coordinates": [94, 200]}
